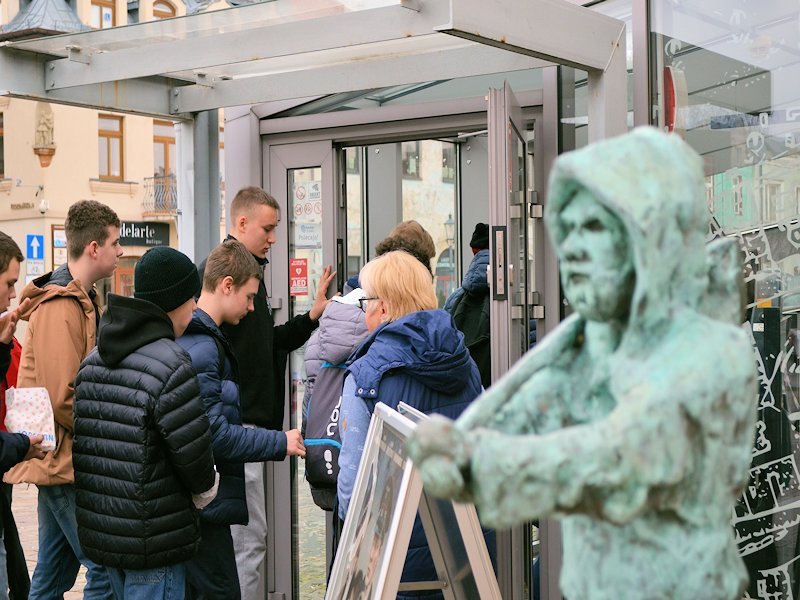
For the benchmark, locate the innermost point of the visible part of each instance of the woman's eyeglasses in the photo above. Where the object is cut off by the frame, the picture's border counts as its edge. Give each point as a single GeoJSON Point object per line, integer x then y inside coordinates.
{"type": "Point", "coordinates": [362, 303]}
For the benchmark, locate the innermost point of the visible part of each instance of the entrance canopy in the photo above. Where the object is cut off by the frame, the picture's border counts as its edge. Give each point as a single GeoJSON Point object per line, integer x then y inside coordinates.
{"type": "Point", "coordinates": [285, 49]}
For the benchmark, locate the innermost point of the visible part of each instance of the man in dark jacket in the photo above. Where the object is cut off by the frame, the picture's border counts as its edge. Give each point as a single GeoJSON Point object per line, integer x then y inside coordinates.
{"type": "Point", "coordinates": [469, 305]}
{"type": "Point", "coordinates": [261, 349]}
{"type": "Point", "coordinates": [142, 451]}
{"type": "Point", "coordinates": [231, 281]}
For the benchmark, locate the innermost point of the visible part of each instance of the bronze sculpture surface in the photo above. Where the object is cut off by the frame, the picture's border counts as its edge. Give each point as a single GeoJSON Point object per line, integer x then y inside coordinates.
{"type": "Point", "coordinates": [633, 421]}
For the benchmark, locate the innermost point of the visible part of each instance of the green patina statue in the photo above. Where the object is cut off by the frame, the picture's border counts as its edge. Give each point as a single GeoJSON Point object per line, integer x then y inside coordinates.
{"type": "Point", "coordinates": [633, 421]}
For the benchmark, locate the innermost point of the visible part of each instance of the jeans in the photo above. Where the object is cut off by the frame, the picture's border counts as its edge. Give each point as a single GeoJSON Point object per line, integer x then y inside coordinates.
{"type": "Point", "coordinates": [60, 553]}
{"type": "Point", "coordinates": [162, 583]}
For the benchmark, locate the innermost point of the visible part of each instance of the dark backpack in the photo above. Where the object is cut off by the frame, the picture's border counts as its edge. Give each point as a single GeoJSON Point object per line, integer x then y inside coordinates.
{"type": "Point", "coordinates": [471, 317]}
{"type": "Point", "coordinates": [322, 439]}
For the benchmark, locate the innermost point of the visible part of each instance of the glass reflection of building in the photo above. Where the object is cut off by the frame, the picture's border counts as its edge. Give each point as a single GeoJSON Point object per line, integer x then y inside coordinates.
{"type": "Point", "coordinates": [724, 76]}
{"type": "Point", "coordinates": [445, 272]}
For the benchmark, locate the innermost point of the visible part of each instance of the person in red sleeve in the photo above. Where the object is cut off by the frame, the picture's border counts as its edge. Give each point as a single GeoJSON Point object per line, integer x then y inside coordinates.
{"type": "Point", "coordinates": [14, 447]}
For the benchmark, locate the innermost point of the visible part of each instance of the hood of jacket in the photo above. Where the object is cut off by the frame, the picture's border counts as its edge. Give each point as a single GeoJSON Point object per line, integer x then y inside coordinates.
{"type": "Point", "coordinates": [58, 283]}
{"type": "Point", "coordinates": [203, 324]}
{"type": "Point", "coordinates": [653, 183]}
{"type": "Point", "coordinates": [474, 281]}
{"type": "Point", "coordinates": [425, 345]}
{"type": "Point", "coordinates": [127, 325]}
{"type": "Point", "coordinates": [341, 329]}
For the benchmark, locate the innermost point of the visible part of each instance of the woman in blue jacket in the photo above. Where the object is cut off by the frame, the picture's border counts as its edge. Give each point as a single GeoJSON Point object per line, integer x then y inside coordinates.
{"type": "Point", "coordinates": [413, 354]}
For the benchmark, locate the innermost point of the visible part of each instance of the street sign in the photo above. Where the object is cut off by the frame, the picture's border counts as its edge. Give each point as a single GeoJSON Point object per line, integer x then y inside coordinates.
{"type": "Point", "coordinates": [34, 267]}
{"type": "Point", "coordinates": [34, 247]}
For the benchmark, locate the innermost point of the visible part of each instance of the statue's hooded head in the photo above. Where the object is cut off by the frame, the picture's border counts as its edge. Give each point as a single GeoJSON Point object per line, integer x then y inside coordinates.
{"type": "Point", "coordinates": [628, 220]}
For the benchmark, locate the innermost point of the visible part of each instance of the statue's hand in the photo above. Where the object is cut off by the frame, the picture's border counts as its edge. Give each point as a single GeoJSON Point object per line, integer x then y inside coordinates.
{"type": "Point", "coordinates": [440, 452]}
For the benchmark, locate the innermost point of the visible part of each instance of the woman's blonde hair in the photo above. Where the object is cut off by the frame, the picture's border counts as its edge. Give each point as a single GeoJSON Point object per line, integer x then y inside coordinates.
{"type": "Point", "coordinates": [400, 281]}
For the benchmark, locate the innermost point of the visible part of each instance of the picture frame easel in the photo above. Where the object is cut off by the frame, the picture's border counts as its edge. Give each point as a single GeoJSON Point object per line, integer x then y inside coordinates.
{"type": "Point", "coordinates": [386, 497]}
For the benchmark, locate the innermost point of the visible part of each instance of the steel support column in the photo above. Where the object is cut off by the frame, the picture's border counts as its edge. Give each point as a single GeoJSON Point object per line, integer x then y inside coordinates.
{"type": "Point", "coordinates": [206, 183]}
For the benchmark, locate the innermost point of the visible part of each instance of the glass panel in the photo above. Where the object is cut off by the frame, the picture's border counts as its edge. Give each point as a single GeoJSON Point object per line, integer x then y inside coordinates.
{"type": "Point", "coordinates": [355, 183]}
{"type": "Point", "coordinates": [173, 159]}
{"type": "Point", "coordinates": [95, 20]}
{"type": "Point", "coordinates": [724, 77]}
{"type": "Point", "coordinates": [162, 9]}
{"type": "Point", "coordinates": [410, 158]}
{"type": "Point", "coordinates": [305, 268]}
{"type": "Point", "coordinates": [123, 276]}
{"type": "Point", "coordinates": [115, 164]}
{"type": "Point", "coordinates": [159, 159]}
{"type": "Point", "coordinates": [574, 110]}
{"type": "Point", "coordinates": [102, 147]}
{"type": "Point", "coordinates": [238, 18]}
{"type": "Point", "coordinates": [108, 17]}
{"type": "Point", "coordinates": [429, 91]}
{"type": "Point", "coordinates": [431, 201]}
{"type": "Point", "coordinates": [163, 129]}
{"type": "Point", "coordinates": [109, 124]}
{"type": "Point", "coordinates": [622, 10]}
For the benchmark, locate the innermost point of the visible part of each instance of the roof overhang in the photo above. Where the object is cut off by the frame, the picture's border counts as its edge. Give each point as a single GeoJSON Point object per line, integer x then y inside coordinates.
{"type": "Point", "coordinates": [279, 51]}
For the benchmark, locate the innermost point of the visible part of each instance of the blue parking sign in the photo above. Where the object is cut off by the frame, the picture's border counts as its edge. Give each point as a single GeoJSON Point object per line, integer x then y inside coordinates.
{"type": "Point", "coordinates": [34, 247]}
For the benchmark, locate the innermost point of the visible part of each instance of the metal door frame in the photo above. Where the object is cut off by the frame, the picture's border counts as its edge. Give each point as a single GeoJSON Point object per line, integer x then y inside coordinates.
{"type": "Point", "coordinates": [278, 136]}
{"type": "Point", "coordinates": [278, 160]}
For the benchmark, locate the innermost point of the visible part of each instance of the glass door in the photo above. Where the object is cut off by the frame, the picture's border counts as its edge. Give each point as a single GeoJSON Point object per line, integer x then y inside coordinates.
{"type": "Point", "coordinates": [511, 212]}
{"type": "Point", "coordinates": [302, 181]}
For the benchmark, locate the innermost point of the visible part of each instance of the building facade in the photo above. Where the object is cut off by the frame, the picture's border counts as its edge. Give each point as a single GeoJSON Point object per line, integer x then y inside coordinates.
{"type": "Point", "coordinates": [52, 155]}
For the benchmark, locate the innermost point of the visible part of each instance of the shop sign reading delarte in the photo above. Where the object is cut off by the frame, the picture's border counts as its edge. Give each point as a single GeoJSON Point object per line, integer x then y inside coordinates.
{"type": "Point", "coordinates": [143, 233]}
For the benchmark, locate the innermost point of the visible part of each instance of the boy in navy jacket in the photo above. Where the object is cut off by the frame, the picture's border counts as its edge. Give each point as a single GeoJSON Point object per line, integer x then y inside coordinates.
{"type": "Point", "coordinates": [230, 282]}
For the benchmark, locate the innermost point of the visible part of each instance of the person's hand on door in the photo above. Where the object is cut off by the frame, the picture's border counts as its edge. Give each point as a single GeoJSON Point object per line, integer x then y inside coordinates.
{"type": "Point", "coordinates": [321, 298]}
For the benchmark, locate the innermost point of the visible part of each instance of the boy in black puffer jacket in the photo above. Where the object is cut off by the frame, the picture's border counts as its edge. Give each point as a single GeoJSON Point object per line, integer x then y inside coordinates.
{"type": "Point", "coordinates": [230, 282]}
{"type": "Point", "coordinates": [142, 439]}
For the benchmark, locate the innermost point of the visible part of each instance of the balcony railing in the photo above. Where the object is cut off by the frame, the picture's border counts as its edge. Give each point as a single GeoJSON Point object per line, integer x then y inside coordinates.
{"type": "Point", "coordinates": [160, 195]}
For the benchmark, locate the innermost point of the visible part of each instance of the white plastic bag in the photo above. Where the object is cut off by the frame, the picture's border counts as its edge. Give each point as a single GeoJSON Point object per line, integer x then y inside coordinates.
{"type": "Point", "coordinates": [28, 411]}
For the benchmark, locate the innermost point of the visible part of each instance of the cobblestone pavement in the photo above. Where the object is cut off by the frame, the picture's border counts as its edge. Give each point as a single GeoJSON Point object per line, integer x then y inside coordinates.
{"type": "Point", "coordinates": [311, 533]}
{"type": "Point", "coordinates": [24, 508]}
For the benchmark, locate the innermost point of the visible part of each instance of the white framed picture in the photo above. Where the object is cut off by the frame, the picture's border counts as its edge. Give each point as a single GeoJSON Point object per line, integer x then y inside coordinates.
{"type": "Point", "coordinates": [386, 498]}
{"type": "Point", "coordinates": [377, 529]}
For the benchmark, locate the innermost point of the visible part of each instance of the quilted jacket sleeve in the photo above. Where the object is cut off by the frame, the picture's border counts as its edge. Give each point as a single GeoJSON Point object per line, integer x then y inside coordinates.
{"type": "Point", "coordinates": [183, 424]}
{"type": "Point", "coordinates": [231, 441]}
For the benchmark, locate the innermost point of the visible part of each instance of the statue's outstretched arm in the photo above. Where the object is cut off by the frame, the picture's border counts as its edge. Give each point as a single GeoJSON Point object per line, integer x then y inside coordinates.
{"type": "Point", "coordinates": [606, 469]}
{"type": "Point", "coordinates": [493, 409]}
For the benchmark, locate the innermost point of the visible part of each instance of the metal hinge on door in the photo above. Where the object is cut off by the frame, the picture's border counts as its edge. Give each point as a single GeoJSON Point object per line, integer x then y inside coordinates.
{"type": "Point", "coordinates": [535, 310]}
{"type": "Point", "coordinates": [534, 207]}
{"type": "Point", "coordinates": [534, 306]}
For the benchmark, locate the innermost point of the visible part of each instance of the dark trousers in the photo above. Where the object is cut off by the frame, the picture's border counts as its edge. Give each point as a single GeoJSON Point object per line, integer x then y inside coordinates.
{"type": "Point", "coordinates": [19, 583]}
{"type": "Point", "coordinates": [211, 573]}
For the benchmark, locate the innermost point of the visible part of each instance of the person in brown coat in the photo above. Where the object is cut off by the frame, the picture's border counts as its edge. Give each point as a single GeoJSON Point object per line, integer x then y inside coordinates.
{"type": "Point", "coordinates": [62, 328]}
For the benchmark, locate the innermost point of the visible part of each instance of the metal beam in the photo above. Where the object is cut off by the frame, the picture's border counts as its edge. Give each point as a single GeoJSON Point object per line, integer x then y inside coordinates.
{"type": "Point", "coordinates": [537, 28]}
{"type": "Point", "coordinates": [206, 183]}
{"type": "Point", "coordinates": [608, 97]}
{"type": "Point", "coordinates": [22, 76]}
{"type": "Point", "coordinates": [553, 30]}
{"type": "Point", "coordinates": [248, 45]}
{"type": "Point", "coordinates": [351, 76]}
